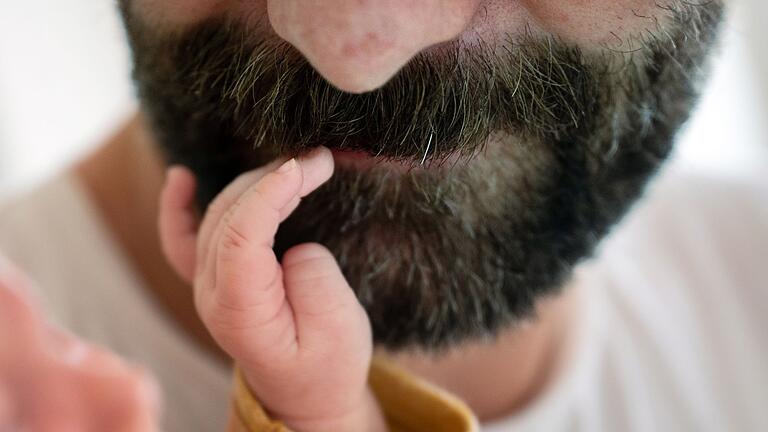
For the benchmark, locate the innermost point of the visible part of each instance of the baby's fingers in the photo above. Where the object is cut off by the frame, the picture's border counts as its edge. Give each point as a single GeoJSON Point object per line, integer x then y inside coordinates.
{"type": "Point", "coordinates": [244, 263]}
{"type": "Point", "coordinates": [325, 308]}
{"type": "Point", "coordinates": [182, 242]}
{"type": "Point", "coordinates": [222, 203]}
{"type": "Point", "coordinates": [245, 302]}
{"type": "Point", "coordinates": [177, 221]}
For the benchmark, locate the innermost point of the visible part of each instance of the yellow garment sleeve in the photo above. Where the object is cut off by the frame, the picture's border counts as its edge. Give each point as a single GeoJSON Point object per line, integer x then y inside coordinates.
{"type": "Point", "coordinates": [410, 404]}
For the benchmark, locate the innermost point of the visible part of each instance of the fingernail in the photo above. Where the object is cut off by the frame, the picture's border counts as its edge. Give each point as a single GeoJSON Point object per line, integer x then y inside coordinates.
{"type": "Point", "coordinates": [169, 173]}
{"type": "Point", "coordinates": [171, 170]}
{"type": "Point", "coordinates": [287, 166]}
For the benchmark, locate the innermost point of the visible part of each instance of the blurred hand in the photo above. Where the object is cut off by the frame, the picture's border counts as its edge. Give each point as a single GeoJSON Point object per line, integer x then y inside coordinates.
{"type": "Point", "coordinates": [52, 382]}
{"type": "Point", "coordinates": [295, 328]}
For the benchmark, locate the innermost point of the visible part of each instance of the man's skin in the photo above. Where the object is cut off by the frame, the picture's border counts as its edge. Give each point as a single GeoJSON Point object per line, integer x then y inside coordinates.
{"type": "Point", "coordinates": [230, 275]}
{"type": "Point", "coordinates": [358, 46]}
{"type": "Point", "coordinates": [128, 165]}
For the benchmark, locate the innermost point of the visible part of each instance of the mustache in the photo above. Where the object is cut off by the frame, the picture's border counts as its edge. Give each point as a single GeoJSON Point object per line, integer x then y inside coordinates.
{"type": "Point", "coordinates": [445, 102]}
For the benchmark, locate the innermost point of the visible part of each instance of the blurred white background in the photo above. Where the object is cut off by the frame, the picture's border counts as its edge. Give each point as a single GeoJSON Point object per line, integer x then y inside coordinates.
{"type": "Point", "coordinates": [65, 86]}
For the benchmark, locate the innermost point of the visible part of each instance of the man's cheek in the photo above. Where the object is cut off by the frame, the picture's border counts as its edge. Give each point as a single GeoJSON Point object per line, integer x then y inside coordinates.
{"type": "Point", "coordinates": [582, 22]}
{"type": "Point", "coordinates": [598, 23]}
{"type": "Point", "coordinates": [185, 13]}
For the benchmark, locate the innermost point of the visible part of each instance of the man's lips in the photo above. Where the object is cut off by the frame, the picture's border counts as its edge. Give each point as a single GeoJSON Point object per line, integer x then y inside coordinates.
{"type": "Point", "coordinates": [350, 155]}
{"type": "Point", "coordinates": [365, 160]}
{"type": "Point", "coordinates": [358, 159]}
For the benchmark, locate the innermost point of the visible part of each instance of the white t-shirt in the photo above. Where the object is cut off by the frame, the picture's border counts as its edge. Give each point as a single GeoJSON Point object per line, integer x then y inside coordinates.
{"type": "Point", "coordinates": [671, 331]}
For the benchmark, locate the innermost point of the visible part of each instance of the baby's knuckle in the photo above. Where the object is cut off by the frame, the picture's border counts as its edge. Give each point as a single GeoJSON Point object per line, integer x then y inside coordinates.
{"type": "Point", "coordinates": [232, 238]}
{"type": "Point", "coordinates": [227, 317]}
{"type": "Point", "coordinates": [314, 270]}
{"type": "Point", "coordinates": [307, 251]}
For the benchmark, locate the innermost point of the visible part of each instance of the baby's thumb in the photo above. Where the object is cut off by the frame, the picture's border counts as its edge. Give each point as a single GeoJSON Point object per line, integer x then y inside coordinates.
{"type": "Point", "coordinates": [325, 308]}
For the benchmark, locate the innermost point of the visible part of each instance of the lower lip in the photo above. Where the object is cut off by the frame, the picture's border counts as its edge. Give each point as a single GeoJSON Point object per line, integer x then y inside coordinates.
{"type": "Point", "coordinates": [363, 160]}
{"type": "Point", "coordinates": [356, 159]}
{"type": "Point", "coordinates": [340, 155]}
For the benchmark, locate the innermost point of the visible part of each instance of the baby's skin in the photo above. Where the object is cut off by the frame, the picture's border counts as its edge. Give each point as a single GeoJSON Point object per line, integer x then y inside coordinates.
{"type": "Point", "coordinates": [53, 381]}
{"type": "Point", "coordinates": [295, 328]}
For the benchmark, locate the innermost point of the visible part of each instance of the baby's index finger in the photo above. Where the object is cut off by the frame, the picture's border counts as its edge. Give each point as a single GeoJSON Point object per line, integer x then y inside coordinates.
{"type": "Point", "coordinates": [317, 167]}
{"type": "Point", "coordinates": [245, 265]}
{"type": "Point", "coordinates": [253, 220]}
{"type": "Point", "coordinates": [254, 217]}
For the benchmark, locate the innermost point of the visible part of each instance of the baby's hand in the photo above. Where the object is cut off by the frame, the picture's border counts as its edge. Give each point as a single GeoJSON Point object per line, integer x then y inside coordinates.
{"type": "Point", "coordinates": [52, 381]}
{"type": "Point", "coordinates": [295, 328]}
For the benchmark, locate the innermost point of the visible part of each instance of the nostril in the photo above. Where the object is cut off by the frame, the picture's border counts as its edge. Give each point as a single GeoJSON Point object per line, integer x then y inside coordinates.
{"type": "Point", "coordinates": [358, 46]}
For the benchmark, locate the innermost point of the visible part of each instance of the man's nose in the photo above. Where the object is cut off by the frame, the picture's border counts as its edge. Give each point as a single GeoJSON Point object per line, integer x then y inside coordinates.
{"type": "Point", "coordinates": [358, 45]}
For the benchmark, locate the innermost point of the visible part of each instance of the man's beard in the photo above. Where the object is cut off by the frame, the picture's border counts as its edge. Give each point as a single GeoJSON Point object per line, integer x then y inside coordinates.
{"type": "Point", "coordinates": [553, 144]}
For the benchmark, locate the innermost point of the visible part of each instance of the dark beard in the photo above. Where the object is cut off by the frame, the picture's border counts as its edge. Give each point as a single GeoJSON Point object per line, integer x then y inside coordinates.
{"type": "Point", "coordinates": [556, 144]}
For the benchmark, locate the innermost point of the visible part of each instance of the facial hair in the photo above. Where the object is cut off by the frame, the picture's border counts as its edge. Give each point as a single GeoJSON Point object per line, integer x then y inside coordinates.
{"type": "Point", "coordinates": [520, 155]}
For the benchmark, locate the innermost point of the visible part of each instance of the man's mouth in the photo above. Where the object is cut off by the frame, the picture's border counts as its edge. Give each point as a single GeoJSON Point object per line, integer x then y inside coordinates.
{"type": "Point", "coordinates": [364, 160]}
{"type": "Point", "coordinates": [357, 159]}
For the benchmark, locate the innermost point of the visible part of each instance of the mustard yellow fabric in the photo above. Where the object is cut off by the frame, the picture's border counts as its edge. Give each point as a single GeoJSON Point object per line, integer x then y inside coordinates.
{"type": "Point", "coordinates": [410, 404]}
{"type": "Point", "coordinates": [248, 415]}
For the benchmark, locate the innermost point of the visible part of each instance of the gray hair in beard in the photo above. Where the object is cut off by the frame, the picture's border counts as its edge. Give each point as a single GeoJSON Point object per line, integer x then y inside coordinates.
{"type": "Point", "coordinates": [554, 145]}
